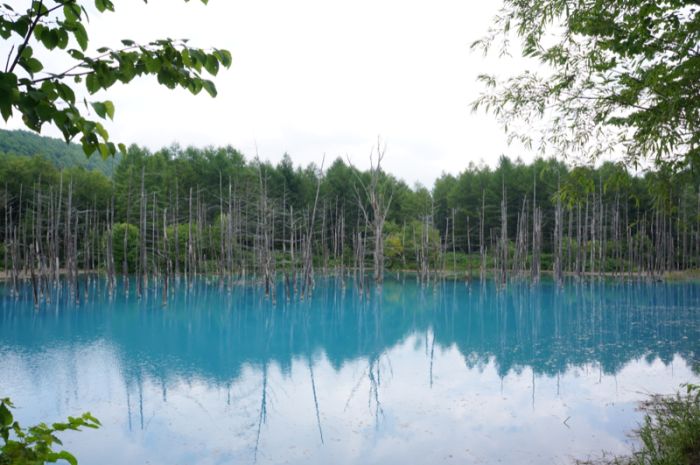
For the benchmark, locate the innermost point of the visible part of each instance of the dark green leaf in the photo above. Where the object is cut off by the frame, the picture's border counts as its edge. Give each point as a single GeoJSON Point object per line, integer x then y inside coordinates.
{"type": "Point", "coordinates": [49, 37]}
{"type": "Point", "coordinates": [38, 30]}
{"type": "Point", "coordinates": [62, 38]}
{"type": "Point", "coordinates": [76, 54]}
{"type": "Point", "coordinates": [5, 416]}
{"type": "Point", "coordinates": [100, 108]}
{"type": "Point", "coordinates": [32, 65]}
{"type": "Point", "coordinates": [209, 87]}
{"type": "Point", "coordinates": [71, 11]}
{"type": "Point", "coordinates": [224, 57]}
{"type": "Point", "coordinates": [212, 65]}
{"type": "Point", "coordinates": [81, 36]}
{"type": "Point", "coordinates": [8, 93]}
{"type": "Point", "coordinates": [92, 83]}
{"type": "Point", "coordinates": [21, 25]}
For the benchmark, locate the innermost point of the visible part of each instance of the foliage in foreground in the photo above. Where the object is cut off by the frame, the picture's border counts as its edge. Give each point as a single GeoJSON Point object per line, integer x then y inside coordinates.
{"type": "Point", "coordinates": [35, 445]}
{"type": "Point", "coordinates": [53, 96]}
{"type": "Point", "coordinates": [615, 76]}
{"type": "Point", "coordinates": [670, 434]}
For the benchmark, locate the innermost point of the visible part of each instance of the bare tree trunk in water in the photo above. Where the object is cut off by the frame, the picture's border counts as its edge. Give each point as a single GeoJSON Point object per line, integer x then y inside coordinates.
{"type": "Point", "coordinates": [379, 203]}
{"type": "Point", "coordinates": [558, 237]}
{"type": "Point", "coordinates": [482, 248]}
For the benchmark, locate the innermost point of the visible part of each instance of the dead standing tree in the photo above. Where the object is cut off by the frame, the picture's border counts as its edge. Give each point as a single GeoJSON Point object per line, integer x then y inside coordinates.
{"type": "Point", "coordinates": [307, 251]}
{"type": "Point", "coordinates": [379, 195]}
{"type": "Point", "coordinates": [265, 235]}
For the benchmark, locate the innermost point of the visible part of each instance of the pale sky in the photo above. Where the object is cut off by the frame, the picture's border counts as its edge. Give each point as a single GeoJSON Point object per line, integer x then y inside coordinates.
{"type": "Point", "coordinates": [318, 76]}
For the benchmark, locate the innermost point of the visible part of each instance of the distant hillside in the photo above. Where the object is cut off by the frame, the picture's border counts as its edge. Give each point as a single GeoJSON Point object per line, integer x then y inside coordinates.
{"type": "Point", "coordinates": [62, 155]}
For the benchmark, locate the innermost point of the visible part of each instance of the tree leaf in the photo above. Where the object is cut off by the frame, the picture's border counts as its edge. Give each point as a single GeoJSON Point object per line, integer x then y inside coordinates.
{"type": "Point", "coordinates": [81, 36]}
{"type": "Point", "coordinates": [5, 416]}
{"type": "Point", "coordinates": [67, 456]}
{"type": "Point", "coordinates": [224, 57]}
{"type": "Point", "coordinates": [209, 87]}
{"type": "Point", "coordinates": [49, 38]}
{"type": "Point", "coordinates": [109, 107]}
{"type": "Point", "coordinates": [8, 93]}
{"type": "Point", "coordinates": [100, 108]}
{"type": "Point", "coordinates": [71, 12]}
{"type": "Point", "coordinates": [92, 83]}
{"type": "Point", "coordinates": [212, 65]}
{"type": "Point", "coordinates": [76, 54]}
{"type": "Point", "coordinates": [65, 92]}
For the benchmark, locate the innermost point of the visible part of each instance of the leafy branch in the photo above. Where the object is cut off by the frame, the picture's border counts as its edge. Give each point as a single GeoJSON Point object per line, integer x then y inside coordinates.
{"type": "Point", "coordinates": [35, 445]}
{"type": "Point", "coordinates": [42, 97]}
{"type": "Point", "coordinates": [617, 76]}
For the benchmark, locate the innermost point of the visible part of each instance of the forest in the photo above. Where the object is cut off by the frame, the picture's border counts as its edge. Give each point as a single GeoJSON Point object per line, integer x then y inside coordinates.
{"type": "Point", "coordinates": [213, 211]}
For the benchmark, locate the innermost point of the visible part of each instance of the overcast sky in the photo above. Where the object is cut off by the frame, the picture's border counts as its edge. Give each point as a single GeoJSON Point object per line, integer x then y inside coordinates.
{"type": "Point", "coordinates": [319, 76]}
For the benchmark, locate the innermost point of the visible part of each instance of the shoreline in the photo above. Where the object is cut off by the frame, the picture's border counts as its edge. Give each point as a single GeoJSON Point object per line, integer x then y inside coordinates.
{"type": "Point", "coordinates": [667, 276]}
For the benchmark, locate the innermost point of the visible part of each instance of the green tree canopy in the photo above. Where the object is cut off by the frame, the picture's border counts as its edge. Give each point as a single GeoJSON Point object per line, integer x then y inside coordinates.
{"type": "Point", "coordinates": [48, 96]}
{"type": "Point", "coordinates": [619, 76]}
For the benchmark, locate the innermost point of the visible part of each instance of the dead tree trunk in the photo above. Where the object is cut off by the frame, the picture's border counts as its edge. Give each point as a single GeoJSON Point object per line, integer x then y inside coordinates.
{"type": "Point", "coordinates": [308, 283]}
{"type": "Point", "coordinates": [558, 237]}
{"type": "Point", "coordinates": [379, 197]}
{"type": "Point", "coordinates": [143, 266]}
{"type": "Point", "coordinates": [482, 248]}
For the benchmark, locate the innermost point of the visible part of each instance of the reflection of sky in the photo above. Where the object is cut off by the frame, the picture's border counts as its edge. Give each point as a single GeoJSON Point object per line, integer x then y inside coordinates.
{"type": "Point", "coordinates": [446, 376]}
{"type": "Point", "coordinates": [467, 415]}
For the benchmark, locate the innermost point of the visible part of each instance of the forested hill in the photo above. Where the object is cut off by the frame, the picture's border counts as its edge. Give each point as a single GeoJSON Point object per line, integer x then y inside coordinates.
{"type": "Point", "coordinates": [59, 153]}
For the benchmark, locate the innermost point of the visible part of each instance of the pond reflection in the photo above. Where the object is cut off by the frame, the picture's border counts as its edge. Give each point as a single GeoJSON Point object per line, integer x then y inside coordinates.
{"type": "Point", "coordinates": [411, 374]}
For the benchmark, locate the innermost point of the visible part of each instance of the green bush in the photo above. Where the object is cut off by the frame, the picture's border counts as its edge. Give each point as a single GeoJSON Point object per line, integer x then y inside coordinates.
{"type": "Point", "coordinates": [670, 433]}
{"type": "Point", "coordinates": [34, 445]}
{"type": "Point", "coordinates": [132, 246]}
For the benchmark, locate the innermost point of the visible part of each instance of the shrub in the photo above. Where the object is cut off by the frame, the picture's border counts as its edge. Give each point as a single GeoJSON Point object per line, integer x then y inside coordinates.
{"type": "Point", "coordinates": [34, 445]}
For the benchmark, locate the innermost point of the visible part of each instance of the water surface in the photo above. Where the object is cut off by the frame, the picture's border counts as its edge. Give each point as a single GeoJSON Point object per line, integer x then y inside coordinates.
{"type": "Point", "coordinates": [448, 373]}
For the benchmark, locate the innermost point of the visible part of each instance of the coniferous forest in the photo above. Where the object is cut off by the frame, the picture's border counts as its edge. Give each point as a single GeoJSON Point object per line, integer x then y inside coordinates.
{"type": "Point", "coordinates": [213, 211]}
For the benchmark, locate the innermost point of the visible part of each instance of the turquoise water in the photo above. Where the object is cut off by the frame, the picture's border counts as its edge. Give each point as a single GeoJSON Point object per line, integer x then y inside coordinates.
{"type": "Point", "coordinates": [448, 373]}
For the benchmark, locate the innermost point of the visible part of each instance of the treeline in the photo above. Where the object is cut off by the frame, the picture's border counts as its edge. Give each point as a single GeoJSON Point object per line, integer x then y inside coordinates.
{"type": "Point", "coordinates": [185, 212]}
{"type": "Point", "coordinates": [588, 219]}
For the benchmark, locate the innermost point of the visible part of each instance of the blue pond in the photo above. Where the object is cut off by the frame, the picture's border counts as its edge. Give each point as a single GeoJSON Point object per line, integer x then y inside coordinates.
{"type": "Point", "coordinates": [447, 373]}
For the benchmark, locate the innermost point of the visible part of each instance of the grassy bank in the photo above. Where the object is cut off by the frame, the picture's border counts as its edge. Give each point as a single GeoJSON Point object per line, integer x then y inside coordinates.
{"type": "Point", "coordinates": [669, 435]}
